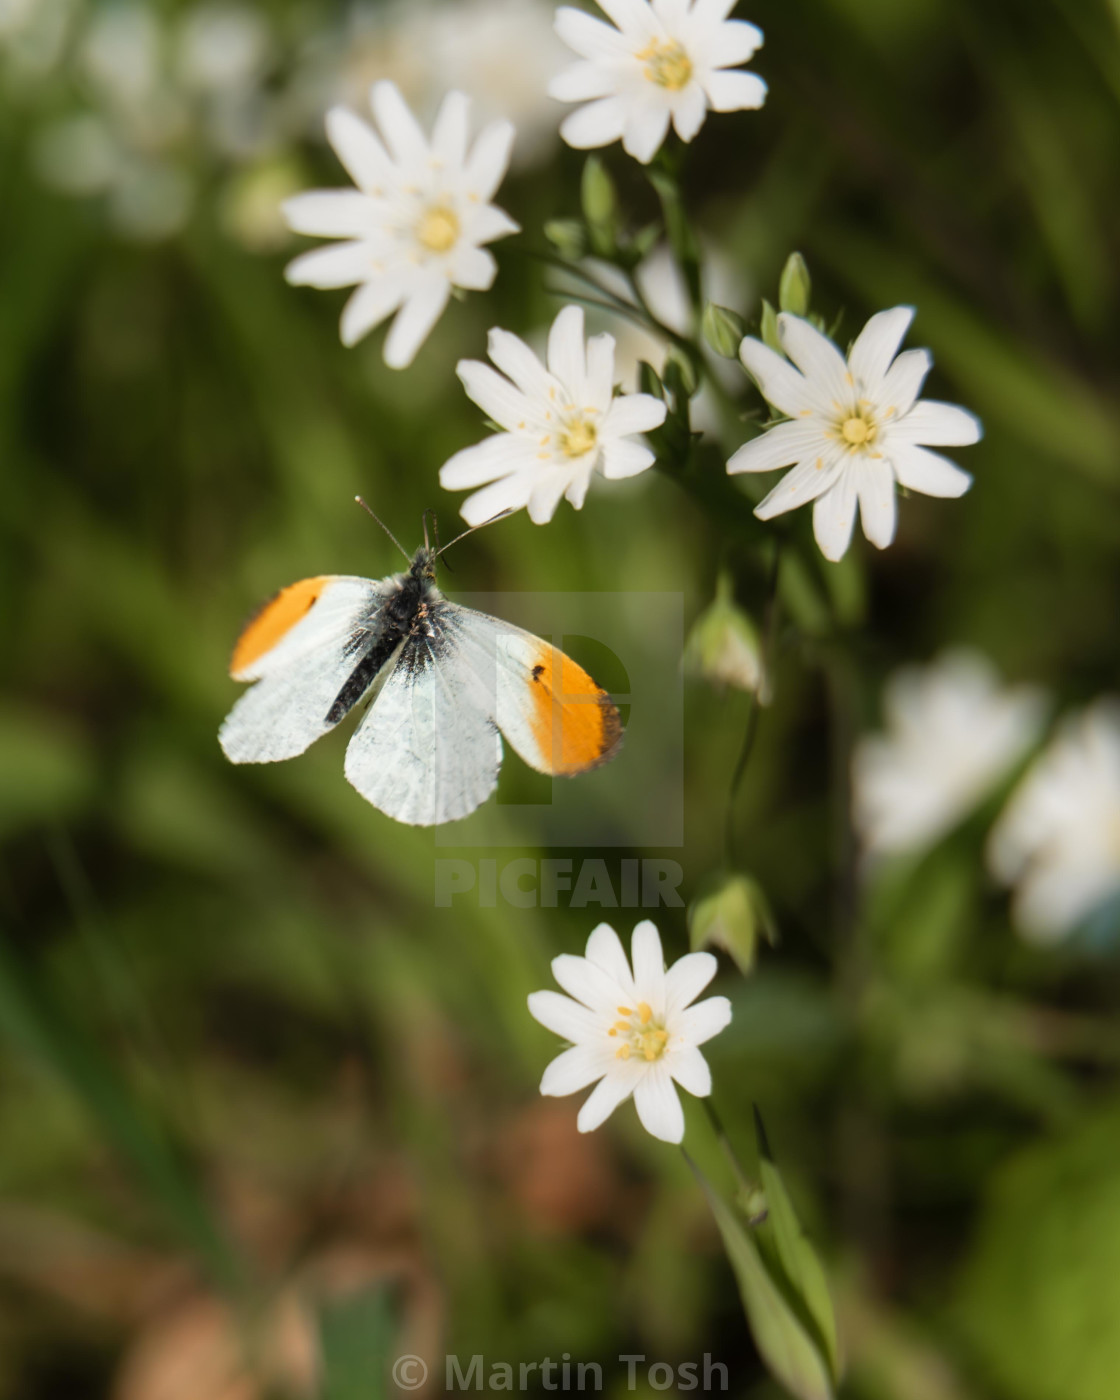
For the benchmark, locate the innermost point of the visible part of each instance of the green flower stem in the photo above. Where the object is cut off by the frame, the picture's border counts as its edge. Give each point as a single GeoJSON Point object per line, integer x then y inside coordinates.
{"type": "Point", "coordinates": [769, 630]}
{"type": "Point", "coordinates": [742, 1179]}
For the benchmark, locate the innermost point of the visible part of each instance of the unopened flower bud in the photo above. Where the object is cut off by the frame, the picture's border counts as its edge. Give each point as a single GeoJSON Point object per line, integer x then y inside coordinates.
{"type": "Point", "coordinates": [723, 330]}
{"type": "Point", "coordinates": [795, 288]}
{"type": "Point", "coordinates": [730, 912]}
{"type": "Point", "coordinates": [600, 205]}
{"type": "Point", "coordinates": [768, 328]}
{"type": "Point", "coordinates": [724, 646]}
{"type": "Point", "coordinates": [568, 237]}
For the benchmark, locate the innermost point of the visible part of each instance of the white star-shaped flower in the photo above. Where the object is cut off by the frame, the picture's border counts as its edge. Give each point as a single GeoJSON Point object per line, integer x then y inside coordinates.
{"type": "Point", "coordinates": [560, 422]}
{"type": "Point", "coordinates": [856, 428]}
{"type": "Point", "coordinates": [665, 61]}
{"type": "Point", "coordinates": [1058, 840]}
{"type": "Point", "coordinates": [952, 733]}
{"type": "Point", "coordinates": [414, 227]}
{"type": "Point", "coordinates": [631, 1031]}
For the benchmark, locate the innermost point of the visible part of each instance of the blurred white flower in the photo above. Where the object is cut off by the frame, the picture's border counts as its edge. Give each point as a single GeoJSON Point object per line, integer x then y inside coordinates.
{"type": "Point", "coordinates": [952, 733]}
{"type": "Point", "coordinates": [414, 227]}
{"type": "Point", "coordinates": [501, 53]}
{"type": "Point", "coordinates": [631, 1032]}
{"type": "Point", "coordinates": [222, 47]}
{"type": "Point", "coordinates": [77, 155]}
{"type": "Point", "coordinates": [559, 424]}
{"type": "Point", "coordinates": [33, 37]}
{"type": "Point", "coordinates": [122, 52]}
{"type": "Point", "coordinates": [665, 61]}
{"type": "Point", "coordinates": [1058, 839]}
{"type": "Point", "coordinates": [856, 428]}
{"type": "Point", "coordinates": [662, 284]}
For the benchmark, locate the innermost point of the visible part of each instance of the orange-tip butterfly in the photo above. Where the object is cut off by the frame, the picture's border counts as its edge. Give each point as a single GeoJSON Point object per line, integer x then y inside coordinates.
{"type": "Point", "coordinates": [440, 680]}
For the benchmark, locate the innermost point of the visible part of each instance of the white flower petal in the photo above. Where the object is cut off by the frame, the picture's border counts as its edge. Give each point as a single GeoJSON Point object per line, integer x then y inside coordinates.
{"type": "Point", "coordinates": [486, 222]}
{"type": "Point", "coordinates": [780, 383]}
{"type": "Point", "coordinates": [633, 17]}
{"type": "Point", "coordinates": [615, 1088]}
{"type": "Point", "coordinates": [658, 1104]}
{"type": "Point", "coordinates": [510, 493]}
{"type": "Point", "coordinates": [514, 358]}
{"type": "Point", "coordinates": [903, 383]}
{"type": "Point", "coordinates": [577, 488]}
{"type": "Point", "coordinates": [690, 1069]}
{"type": "Point", "coordinates": [633, 413]}
{"type": "Point", "coordinates": [649, 965]}
{"type": "Point", "coordinates": [590, 37]}
{"type": "Point", "coordinates": [414, 322]}
{"type": "Point", "coordinates": [780, 446]}
{"type": "Point", "coordinates": [340, 265]}
{"type": "Point", "coordinates": [332, 213]}
{"type": "Point", "coordinates": [473, 269]}
{"type": "Point", "coordinates": [567, 355]}
{"type": "Point", "coordinates": [806, 482]}
{"type": "Point", "coordinates": [548, 489]}
{"type": "Point", "coordinates": [686, 979]}
{"type": "Point", "coordinates": [582, 82]}
{"type": "Point", "coordinates": [605, 950]}
{"type": "Point", "coordinates": [689, 111]}
{"type": "Point", "coordinates": [834, 514]}
{"type": "Point", "coordinates": [818, 360]}
{"type": "Point", "coordinates": [926, 472]}
{"type": "Point", "coordinates": [565, 1017]}
{"type": "Point", "coordinates": [647, 125]}
{"type": "Point", "coordinates": [936, 424]}
{"type": "Point", "coordinates": [587, 982]}
{"type": "Point", "coordinates": [876, 346]}
{"type": "Point", "coordinates": [673, 14]}
{"type": "Point", "coordinates": [875, 485]}
{"type": "Point", "coordinates": [399, 128]}
{"type": "Point", "coordinates": [359, 150]}
{"type": "Point", "coordinates": [597, 124]}
{"type": "Point", "coordinates": [497, 397]}
{"type": "Point", "coordinates": [707, 13]}
{"type": "Point", "coordinates": [623, 458]}
{"type": "Point", "coordinates": [368, 307]}
{"type": "Point", "coordinates": [495, 457]}
{"type": "Point", "coordinates": [449, 134]}
{"type": "Point", "coordinates": [731, 43]}
{"type": "Point", "coordinates": [600, 371]}
{"type": "Point", "coordinates": [735, 92]}
{"type": "Point", "coordinates": [701, 1022]}
{"type": "Point", "coordinates": [489, 160]}
{"type": "Point", "coordinates": [575, 1069]}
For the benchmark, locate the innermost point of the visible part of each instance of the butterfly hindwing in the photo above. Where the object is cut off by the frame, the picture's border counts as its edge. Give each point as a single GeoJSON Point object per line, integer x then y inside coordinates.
{"type": "Point", "coordinates": [302, 649]}
{"type": "Point", "coordinates": [427, 750]}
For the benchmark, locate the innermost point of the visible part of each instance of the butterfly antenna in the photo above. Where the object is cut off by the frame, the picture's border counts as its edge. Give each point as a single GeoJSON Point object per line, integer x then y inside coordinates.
{"type": "Point", "coordinates": [424, 524]}
{"type": "Point", "coordinates": [384, 527]}
{"type": "Point", "coordinates": [493, 519]}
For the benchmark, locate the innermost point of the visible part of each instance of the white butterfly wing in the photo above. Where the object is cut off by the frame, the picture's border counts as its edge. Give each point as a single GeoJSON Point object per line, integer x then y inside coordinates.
{"type": "Point", "coordinates": [428, 750]}
{"type": "Point", "coordinates": [301, 649]}
{"type": "Point", "coordinates": [553, 714]}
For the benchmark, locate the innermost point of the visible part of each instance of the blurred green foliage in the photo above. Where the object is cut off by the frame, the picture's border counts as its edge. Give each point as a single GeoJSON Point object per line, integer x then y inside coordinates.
{"type": "Point", "coordinates": [246, 1059]}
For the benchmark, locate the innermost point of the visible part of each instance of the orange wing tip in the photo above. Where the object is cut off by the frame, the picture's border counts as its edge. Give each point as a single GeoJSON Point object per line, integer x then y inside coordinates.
{"type": "Point", "coordinates": [575, 723]}
{"type": "Point", "coordinates": [273, 621]}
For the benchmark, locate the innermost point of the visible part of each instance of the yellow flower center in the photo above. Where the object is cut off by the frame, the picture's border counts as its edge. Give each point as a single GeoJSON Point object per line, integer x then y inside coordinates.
{"type": "Point", "coordinates": [857, 431]}
{"type": "Point", "coordinates": [437, 229]}
{"type": "Point", "coordinates": [579, 436]}
{"type": "Point", "coordinates": [667, 64]}
{"type": "Point", "coordinates": [640, 1032]}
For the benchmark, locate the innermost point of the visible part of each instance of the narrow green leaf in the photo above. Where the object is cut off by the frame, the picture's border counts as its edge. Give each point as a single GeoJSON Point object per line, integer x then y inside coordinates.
{"type": "Point", "coordinates": [39, 1029]}
{"type": "Point", "coordinates": [803, 1269]}
{"type": "Point", "coordinates": [785, 1346]}
{"type": "Point", "coordinates": [355, 1336]}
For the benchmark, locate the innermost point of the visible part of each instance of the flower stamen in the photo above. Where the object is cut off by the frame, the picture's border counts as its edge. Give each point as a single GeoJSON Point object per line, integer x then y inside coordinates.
{"type": "Point", "coordinates": [437, 229]}
{"type": "Point", "coordinates": [667, 64]}
{"type": "Point", "coordinates": [579, 436]}
{"type": "Point", "coordinates": [641, 1032]}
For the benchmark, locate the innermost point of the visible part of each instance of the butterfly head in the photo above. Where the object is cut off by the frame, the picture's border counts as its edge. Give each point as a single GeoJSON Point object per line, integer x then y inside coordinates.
{"type": "Point", "coordinates": [424, 563]}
